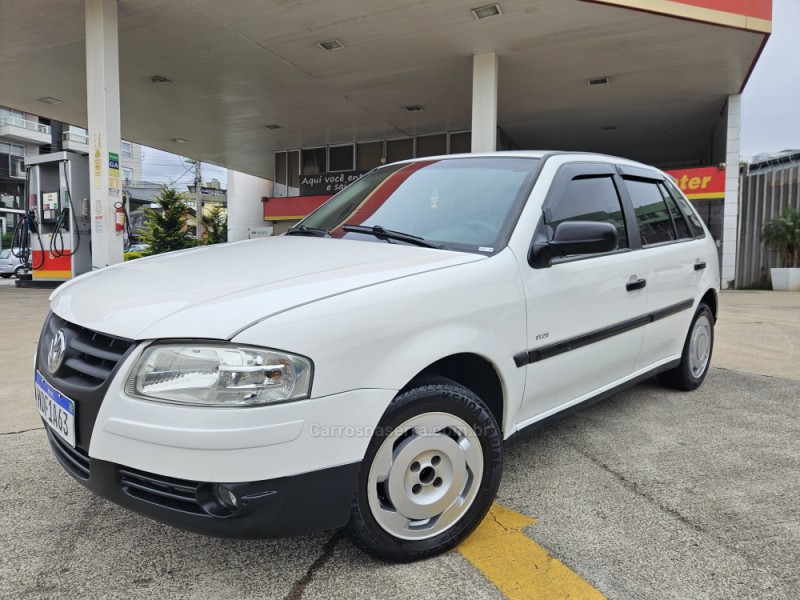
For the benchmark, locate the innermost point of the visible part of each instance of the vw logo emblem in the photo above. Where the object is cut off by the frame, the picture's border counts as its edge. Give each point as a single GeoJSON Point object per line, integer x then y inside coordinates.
{"type": "Point", "coordinates": [55, 355]}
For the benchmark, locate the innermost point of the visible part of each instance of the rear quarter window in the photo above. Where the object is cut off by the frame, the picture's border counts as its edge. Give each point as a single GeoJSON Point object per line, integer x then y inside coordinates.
{"type": "Point", "coordinates": [687, 209]}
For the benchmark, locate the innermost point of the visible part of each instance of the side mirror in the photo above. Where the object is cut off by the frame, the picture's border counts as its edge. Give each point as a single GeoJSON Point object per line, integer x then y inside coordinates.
{"type": "Point", "coordinates": [574, 237]}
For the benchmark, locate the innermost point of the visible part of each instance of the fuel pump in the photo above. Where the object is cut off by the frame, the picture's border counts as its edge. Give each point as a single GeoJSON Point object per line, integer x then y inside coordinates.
{"type": "Point", "coordinates": [58, 221]}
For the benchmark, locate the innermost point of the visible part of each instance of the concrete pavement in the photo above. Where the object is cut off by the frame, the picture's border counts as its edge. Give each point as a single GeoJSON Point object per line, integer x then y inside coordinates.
{"type": "Point", "coordinates": [759, 332]}
{"type": "Point", "coordinates": [650, 494]}
{"type": "Point", "coordinates": [22, 312]}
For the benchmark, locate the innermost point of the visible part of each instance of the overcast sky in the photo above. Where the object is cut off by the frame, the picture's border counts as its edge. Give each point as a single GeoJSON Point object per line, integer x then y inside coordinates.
{"type": "Point", "coordinates": [771, 100]}
{"type": "Point", "coordinates": [770, 105]}
{"type": "Point", "coordinates": [163, 167]}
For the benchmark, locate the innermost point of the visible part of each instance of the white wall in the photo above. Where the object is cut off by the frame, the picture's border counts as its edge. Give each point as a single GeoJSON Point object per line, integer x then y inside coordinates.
{"type": "Point", "coordinates": [245, 209]}
{"type": "Point", "coordinates": [730, 225]}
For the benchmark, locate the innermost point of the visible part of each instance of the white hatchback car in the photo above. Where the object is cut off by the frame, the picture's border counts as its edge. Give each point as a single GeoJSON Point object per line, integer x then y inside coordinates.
{"type": "Point", "coordinates": [365, 369]}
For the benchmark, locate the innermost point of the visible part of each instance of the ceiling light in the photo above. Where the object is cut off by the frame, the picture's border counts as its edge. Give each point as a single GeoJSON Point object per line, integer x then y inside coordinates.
{"type": "Point", "coordinates": [158, 79]}
{"type": "Point", "coordinates": [483, 12]}
{"type": "Point", "coordinates": [331, 45]}
{"type": "Point", "coordinates": [273, 126]}
{"type": "Point", "coordinates": [598, 81]}
{"type": "Point", "coordinates": [414, 108]}
{"type": "Point", "coordinates": [50, 100]}
{"type": "Point", "coordinates": [178, 140]}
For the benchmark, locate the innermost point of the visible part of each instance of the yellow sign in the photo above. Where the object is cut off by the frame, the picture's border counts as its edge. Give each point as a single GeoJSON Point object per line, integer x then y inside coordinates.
{"type": "Point", "coordinates": [97, 164]}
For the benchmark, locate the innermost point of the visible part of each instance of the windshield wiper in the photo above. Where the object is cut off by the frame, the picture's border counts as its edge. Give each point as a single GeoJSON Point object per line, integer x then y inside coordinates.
{"type": "Point", "coordinates": [303, 230]}
{"type": "Point", "coordinates": [387, 234]}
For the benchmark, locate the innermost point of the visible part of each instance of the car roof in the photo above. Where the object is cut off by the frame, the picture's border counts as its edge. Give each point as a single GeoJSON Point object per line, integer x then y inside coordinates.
{"type": "Point", "coordinates": [540, 154]}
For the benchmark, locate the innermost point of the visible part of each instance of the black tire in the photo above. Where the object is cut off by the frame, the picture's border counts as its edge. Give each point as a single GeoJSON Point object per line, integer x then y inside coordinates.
{"type": "Point", "coordinates": [433, 403]}
{"type": "Point", "coordinates": [5, 275]}
{"type": "Point", "coordinates": [691, 371]}
{"type": "Point", "coordinates": [18, 272]}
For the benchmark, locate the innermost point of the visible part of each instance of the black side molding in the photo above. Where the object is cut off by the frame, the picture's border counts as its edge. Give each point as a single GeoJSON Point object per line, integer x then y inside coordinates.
{"type": "Point", "coordinates": [532, 356]}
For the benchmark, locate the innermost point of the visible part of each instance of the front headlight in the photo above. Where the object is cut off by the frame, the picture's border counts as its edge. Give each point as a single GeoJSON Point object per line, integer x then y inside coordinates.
{"type": "Point", "coordinates": [219, 375]}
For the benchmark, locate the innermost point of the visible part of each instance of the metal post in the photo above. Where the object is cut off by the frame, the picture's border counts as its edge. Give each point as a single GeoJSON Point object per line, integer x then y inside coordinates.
{"type": "Point", "coordinates": [198, 201]}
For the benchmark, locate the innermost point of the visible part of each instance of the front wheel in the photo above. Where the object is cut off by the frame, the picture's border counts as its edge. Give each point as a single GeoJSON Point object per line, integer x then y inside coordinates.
{"type": "Point", "coordinates": [696, 356]}
{"type": "Point", "coordinates": [430, 473]}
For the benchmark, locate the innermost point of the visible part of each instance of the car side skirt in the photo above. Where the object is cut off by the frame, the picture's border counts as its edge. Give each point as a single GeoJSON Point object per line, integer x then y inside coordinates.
{"type": "Point", "coordinates": [526, 430]}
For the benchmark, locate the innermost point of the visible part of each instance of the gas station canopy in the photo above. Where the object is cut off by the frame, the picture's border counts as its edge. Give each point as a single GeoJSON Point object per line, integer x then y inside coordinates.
{"type": "Point", "coordinates": [661, 72]}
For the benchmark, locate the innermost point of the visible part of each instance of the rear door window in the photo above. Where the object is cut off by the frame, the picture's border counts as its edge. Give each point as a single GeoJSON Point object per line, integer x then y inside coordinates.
{"type": "Point", "coordinates": [652, 213]}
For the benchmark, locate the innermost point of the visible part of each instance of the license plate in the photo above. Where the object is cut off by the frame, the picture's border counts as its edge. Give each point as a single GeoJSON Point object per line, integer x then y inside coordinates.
{"type": "Point", "coordinates": [56, 409]}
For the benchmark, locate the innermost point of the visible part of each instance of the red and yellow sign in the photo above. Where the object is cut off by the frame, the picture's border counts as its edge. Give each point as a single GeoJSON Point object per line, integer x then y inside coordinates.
{"type": "Point", "coordinates": [704, 183]}
{"type": "Point", "coordinates": [751, 15]}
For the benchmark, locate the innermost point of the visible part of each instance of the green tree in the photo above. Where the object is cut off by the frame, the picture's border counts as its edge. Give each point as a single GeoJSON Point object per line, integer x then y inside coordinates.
{"type": "Point", "coordinates": [782, 234]}
{"type": "Point", "coordinates": [217, 231]}
{"type": "Point", "coordinates": [165, 229]}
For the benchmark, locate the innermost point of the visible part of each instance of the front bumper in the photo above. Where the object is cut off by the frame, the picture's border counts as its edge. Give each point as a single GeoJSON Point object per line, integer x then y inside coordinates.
{"type": "Point", "coordinates": [271, 508]}
{"type": "Point", "coordinates": [292, 467]}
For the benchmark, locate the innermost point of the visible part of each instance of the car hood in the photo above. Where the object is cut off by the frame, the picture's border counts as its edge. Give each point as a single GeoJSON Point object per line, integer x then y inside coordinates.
{"type": "Point", "coordinates": [215, 292]}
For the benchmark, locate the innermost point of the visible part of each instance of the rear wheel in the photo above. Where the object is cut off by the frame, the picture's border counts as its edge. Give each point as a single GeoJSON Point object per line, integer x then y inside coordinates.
{"type": "Point", "coordinates": [18, 272]}
{"type": "Point", "coordinates": [429, 475]}
{"type": "Point", "coordinates": [696, 357]}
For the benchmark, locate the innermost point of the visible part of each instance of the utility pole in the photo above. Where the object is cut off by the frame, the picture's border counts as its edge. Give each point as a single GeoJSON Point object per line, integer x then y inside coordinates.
{"type": "Point", "coordinates": [198, 201]}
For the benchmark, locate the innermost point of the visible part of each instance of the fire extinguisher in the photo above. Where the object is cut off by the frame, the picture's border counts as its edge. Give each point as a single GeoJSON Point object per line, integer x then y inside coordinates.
{"type": "Point", "coordinates": [119, 217]}
{"type": "Point", "coordinates": [122, 223]}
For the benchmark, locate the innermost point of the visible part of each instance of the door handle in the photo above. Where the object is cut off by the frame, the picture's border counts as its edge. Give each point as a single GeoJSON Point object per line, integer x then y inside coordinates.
{"type": "Point", "coordinates": [699, 265]}
{"type": "Point", "coordinates": [636, 284]}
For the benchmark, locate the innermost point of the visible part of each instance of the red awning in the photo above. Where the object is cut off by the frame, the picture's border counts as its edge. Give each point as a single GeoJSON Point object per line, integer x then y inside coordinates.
{"type": "Point", "coordinates": [293, 208]}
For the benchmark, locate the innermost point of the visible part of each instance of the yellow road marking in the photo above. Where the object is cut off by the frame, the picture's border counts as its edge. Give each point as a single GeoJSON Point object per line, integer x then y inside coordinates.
{"type": "Point", "coordinates": [519, 567]}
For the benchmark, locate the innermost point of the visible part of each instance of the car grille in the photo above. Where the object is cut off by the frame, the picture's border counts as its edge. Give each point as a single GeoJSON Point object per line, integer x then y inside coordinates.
{"type": "Point", "coordinates": [91, 356]}
{"type": "Point", "coordinates": [177, 494]}
{"type": "Point", "coordinates": [90, 361]}
{"type": "Point", "coordinates": [74, 460]}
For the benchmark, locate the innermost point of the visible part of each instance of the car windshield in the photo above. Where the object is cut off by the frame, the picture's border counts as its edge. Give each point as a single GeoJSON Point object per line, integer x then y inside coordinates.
{"type": "Point", "coordinates": [467, 204]}
{"type": "Point", "coordinates": [5, 253]}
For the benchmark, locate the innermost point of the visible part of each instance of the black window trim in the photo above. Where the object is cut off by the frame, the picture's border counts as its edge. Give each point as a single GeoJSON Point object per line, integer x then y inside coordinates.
{"type": "Point", "coordinates": [672, 188]}
{"type": "Point", "coordinates": [652, 180]}
{"type": "Point", "coordinates": [640, 174]}
{"type": "Point", "coordinates": [565, 174]}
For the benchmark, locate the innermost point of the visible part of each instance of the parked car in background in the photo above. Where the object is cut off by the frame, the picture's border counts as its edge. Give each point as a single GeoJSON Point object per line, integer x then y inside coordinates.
{"type": "Point", "coordinates": [10, 264]}
{"type": "Point", "coordinates": [365, 369]}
